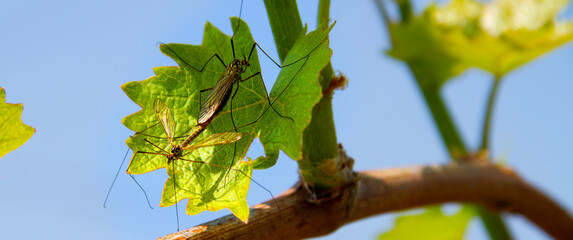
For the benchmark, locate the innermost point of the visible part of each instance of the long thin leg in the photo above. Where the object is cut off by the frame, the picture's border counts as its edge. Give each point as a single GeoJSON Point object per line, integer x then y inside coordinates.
{"type": "Point", "coordinates": [175, 194]}
{"type": "Point", "coordinates": [267, 95]}
{"type": "Point", "coordinates": [137, 134]}
{"type": "Point", "coordinates": [143, 190]}
{"type": "Point", "coordinates": [186, 63]}
{"type": "Point", "coordinates": [231, 104]}
{"type": "Point", "coordinates": [288, 84]}
{"type": "Point", "coordinates": [256, 45]}
{"type": "Point", "coordinates": [232, 162]}
{"type": "Point", "coordinates": [154, 153]}
{"type": "Point", "coordinates": [237, 170]}
{"type": "Point", "coordinates": [116, 174]}
{"type": "Point", "coordinates": [141, 152]}
{"type": "Point", "coordinates": [260, 116]}
{"type": "Point", "coordinates": [233, 121]}
{"type": "Point", "coordinates": [172, 174]}
{"type": "Point", "coordinates": [185, 135]}
{"type": "Point", "coordinates": [275, 99]}
{"type": "Point", "coordinates": [275, 62]}
{"type": "Point", "coordinates": [163, 150]}
{"type": "Point", "coordinates": [115, 178]}
{"type": "Point", "coordinates": [145, 129]}
{"type": "Point", "coordinates": [286, 65]}
{"type": "Point", "coordinates": [151, 136]}
{"type": "Point", "coordinates": [233, 45]}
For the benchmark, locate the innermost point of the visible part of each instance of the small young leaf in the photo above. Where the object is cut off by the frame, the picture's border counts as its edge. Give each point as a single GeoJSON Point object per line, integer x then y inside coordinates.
{"type": "Point", "coordinates": [207, 186]}
{"type": "Point", "coordinates": [13, 132]}
{"type": "Point", "coordinates": [432, 225]}
{"type": "Point", "coordinates": [497, 36]}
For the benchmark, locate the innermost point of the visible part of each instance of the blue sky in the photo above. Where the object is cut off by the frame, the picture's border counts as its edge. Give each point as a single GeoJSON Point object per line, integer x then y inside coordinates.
{"type": "Point", "coordinates": [66, 60]}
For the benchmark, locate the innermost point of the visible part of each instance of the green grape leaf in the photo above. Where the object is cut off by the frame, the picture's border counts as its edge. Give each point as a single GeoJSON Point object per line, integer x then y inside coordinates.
{"type": "Point", "coordinates": [496, 36]}
{"type": "Point", "coordinates": [13, 132]}
{"type": "Point", "coordinates": [299, 91]}
{"type": "Point", "coordinates": [208, 186]}
{"type": "Point", "coordinates": [432, 225]}
{"type": "Point", "coordinates": [419, 44]}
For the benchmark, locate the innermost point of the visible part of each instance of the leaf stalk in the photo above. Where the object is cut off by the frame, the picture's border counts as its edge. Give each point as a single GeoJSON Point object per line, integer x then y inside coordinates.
{"type": "Point", "coordinates": [320, 146]}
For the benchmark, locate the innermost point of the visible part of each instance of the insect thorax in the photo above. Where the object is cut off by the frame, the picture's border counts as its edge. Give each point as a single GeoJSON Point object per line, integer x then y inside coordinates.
{"type": "Point", "coordinates": [237, 67]}
{"type": "Point", "coordinates": [176, 152]}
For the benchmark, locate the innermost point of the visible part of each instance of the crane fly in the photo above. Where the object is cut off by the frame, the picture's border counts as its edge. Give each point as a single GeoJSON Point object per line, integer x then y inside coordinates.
{"type": "Point", "coordinates": [230, 80]}
{"type": "Point", "coordinates": [222, 92]}
{"type": "Point", "coordinates": [181, 151]}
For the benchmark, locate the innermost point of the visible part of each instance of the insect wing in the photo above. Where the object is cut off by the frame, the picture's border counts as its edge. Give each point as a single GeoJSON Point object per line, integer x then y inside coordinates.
{"type": "Point", "coordinates": [216, 139]}
{"type": "Point", "coordinates": [217, 98]}
{"type": "Point", "coordinates": [165, 117]}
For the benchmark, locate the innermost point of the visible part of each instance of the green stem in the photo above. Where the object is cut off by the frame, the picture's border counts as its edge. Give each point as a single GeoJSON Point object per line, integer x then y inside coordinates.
{"type": "Point", "coordinates": [285, 23]}
{"type": "Point", "coordinates": [385, 17]}
{"type": "Point", "coordinates": [320, 145]}
{"type": "Point", "coordinates": [493, 222]}
{"type": "Point", "coordinates": [322, 22]}
{"type": "Point", "coordinates": [323, 18]}
{"type": "Point", "coordinates": [446, 126]}
{"type": "Point", "coordinates": [405, 10]}
{"type": "Point", "coordinates": [489, 113]}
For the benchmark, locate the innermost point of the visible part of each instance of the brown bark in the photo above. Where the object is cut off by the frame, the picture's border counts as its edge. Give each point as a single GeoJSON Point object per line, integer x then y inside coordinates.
{"type": "Point", "coordinates": [381, 191]}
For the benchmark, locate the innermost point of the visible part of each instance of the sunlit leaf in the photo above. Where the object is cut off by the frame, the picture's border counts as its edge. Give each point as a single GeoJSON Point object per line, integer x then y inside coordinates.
{"type": "Point", "coordinates": [206, 186]}
{"type": "Point", "coordinates": [13, 132]}
{"type": "Point", "coordinates": [431, 225]}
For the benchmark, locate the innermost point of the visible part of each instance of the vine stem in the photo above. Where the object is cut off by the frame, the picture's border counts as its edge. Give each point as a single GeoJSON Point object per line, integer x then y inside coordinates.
{"type": "Point", "coordinates": [493, 222]}
{"type": "Point", "coordinates": [489, 113]}
{"type": "Point", "coordinates": [320, 146]}
{"type": "Point", "coordinates": [389, 190]}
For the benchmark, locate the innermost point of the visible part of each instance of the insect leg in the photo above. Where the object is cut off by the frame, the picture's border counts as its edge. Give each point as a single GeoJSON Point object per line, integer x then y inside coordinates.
{"type": "Point", "coordinates": [305, 58]}
{"type": "Point", "coordinates": [143, 190]}
{"type": "Point", "coordinates": [116, 174]}
{"type": "Point", "coordinates": [267, 94]}
{"type": "Point", "coordinates": [235, 128]}
{"type": "Point", "coordinates": [175, 194]}
{"type": "Point", "coordinates": [189, 65]}
{"type": "Point", "coordinates": [241, 172]}
{"type": "Point", "coordinates": [115, 178]}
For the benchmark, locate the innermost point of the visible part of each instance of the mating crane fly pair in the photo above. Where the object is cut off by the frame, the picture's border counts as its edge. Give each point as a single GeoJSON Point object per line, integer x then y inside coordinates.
{"type": "Point", "coordinates": [220, 94]}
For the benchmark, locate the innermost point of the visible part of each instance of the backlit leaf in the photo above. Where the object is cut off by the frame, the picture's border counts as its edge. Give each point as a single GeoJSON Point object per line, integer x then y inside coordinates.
{"type": "Point", "coordinates": [431, 225]}
{"type": "Point", "coordinates": [204, 185]}
{"type": "Point", "coordinates": [497, 36]}
{"type": "Point", "coordinates": [13, 132]}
